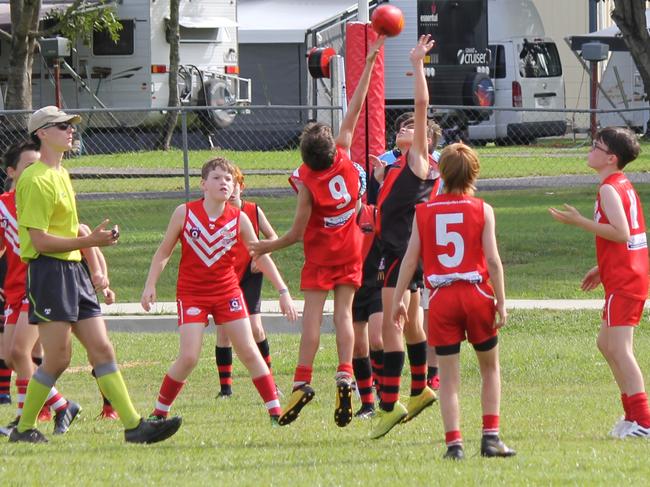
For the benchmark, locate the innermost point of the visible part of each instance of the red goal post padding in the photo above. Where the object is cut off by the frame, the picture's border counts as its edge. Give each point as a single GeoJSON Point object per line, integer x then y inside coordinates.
{"type": "Point", "coordinates": [369, 134]}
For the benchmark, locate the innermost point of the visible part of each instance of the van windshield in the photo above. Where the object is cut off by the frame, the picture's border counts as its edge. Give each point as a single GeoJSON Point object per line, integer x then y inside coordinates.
{"type": "Point", "coordinates": [539, 60]}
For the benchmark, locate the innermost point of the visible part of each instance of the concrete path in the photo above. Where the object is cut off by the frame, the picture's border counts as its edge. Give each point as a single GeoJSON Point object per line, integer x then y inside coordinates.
{"type": "Point", "coordinates": [131, 316]}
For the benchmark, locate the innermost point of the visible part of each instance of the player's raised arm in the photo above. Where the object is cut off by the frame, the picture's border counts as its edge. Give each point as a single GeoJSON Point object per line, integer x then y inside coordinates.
{"type": "Point", "coordinates": [162, 255]}
{"type": "Point", "coordinates": [349, 122]}
{"type": "Point", "coordinates": [418, 155]}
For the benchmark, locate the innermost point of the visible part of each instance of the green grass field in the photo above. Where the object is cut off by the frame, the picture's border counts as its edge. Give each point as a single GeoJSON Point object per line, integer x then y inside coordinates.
{"type": "Point", "coordinates": [547, 158]}
{"type": "Point", "coordinates": [559, 402]}
{"type": "Point", "coordinates": [542, 258]}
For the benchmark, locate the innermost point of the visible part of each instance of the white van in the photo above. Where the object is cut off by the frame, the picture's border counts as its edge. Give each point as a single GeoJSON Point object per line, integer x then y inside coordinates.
{"type": "Point", "coordinates": [526, 72]}
{"type": "Point", "coordinates": [525, 69]}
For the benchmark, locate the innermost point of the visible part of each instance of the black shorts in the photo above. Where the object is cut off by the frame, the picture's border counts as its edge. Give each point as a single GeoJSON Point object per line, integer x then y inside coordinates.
{"type": "Point", "coordinates": [251, 287]}
{"type": "Point", "coordinates": [60, 290]}
{"type": "Point", "coordinates": [367, 302]}
{"type": "Point", "coordinates": [388, 274]}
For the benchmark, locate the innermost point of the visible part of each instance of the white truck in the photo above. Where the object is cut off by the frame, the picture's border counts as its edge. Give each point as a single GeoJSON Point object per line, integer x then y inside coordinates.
{"type": "Point", "coordinates": [133, 73]}
{"type": "Point", "coordinates": [524, 67]}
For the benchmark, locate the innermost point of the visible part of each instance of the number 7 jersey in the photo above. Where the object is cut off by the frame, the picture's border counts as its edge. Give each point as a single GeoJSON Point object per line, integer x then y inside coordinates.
{"type": "Point", "coordinates": [332, 236]}
{"type": "Point", "coordinates": [451, 231]}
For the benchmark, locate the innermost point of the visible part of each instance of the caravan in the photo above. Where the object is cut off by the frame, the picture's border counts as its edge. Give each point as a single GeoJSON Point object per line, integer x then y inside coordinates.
{"type": "Point", "coordinates": [133, 73]}
{"type": "Point", "coordinates": [524, 66]}
{"type": "Point", "coordinates": [621, 85]}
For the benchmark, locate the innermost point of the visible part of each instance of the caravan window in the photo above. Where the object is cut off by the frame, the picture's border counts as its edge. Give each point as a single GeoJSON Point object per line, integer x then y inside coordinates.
{"type": "Point", "coordinates": [497, 61]}
{"type": "Point", "coordinates": [539, 60]}
{"type": "Point", "coordinates": [103, 45]}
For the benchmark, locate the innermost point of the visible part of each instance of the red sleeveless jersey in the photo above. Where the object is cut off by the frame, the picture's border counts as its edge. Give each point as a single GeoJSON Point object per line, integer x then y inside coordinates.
{"type": "Point", "coordinates": [242, 256]}
{"type": "Point", "coordinates": [332, 236]}
{"type": "Point", "coordinates": [207, 266]}
{"type": "Point", "coordinates": [451, 229]}
{"type": "Point", "coordinates": [16, 277]}
{"type": "Point", "coordinates": [623, 267]}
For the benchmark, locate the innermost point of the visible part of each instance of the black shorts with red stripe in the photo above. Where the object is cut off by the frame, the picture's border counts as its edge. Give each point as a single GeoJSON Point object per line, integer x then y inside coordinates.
{"type": "Point", "coordinates": [389, 271]}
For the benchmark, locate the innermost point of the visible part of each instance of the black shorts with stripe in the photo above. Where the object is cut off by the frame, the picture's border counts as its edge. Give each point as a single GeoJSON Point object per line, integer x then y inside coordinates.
{"type": "Point", "coordinates": [60, 290]}
{"type": "Point", "coordinates": [389, 271]}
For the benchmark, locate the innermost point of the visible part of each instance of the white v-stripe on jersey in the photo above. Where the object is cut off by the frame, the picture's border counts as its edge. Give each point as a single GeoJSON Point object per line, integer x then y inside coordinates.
{"type": "Point", "coordinates": [207, 267]}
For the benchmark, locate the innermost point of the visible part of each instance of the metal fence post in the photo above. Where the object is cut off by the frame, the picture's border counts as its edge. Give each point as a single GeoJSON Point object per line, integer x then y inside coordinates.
{"type": "Point", "coordinates": [186, 156]}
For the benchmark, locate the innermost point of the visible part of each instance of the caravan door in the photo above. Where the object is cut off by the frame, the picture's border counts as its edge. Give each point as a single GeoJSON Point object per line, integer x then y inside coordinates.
{"type": "Point", "coordinates": [119, 74]}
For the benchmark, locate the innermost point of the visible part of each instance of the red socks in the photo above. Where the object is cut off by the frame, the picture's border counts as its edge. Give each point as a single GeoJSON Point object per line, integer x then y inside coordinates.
{"type": "Point", "coordinates": [453, 438]}
{"type": "Point", "coordinates": [169, 390]}
{"type": "Point", "coordinates": [265, 385]}
{"type": "Point", "coordinates": [490, 424]}
{"type": "Point", "coordinates": [637, 409]}
{"type": "Point", "coordinates": [302, 376]}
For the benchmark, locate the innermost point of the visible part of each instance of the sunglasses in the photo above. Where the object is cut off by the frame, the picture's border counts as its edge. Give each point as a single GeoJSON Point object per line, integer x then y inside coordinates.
{"type": "Point", "coordinates": [595, 146]}
{"type": "Point", "coordinates": [59, 125]}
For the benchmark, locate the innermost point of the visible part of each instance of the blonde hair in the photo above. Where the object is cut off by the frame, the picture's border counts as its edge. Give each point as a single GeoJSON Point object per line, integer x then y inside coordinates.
{"type": "Point", "coordinates": [459, 168]}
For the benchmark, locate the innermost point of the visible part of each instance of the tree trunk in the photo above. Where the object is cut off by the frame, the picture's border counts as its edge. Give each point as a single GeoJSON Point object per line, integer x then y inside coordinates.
{"type": "Point", "coordinates": [629, 16]}
{"type": "Point", "coordinates": [173, 37]}
{"type": "Point", "coordinates": [24, 21]}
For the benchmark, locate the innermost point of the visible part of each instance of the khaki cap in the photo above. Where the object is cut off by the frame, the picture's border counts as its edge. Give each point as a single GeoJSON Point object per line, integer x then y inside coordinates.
{"type": "Point", "coordinates": [47, 115]}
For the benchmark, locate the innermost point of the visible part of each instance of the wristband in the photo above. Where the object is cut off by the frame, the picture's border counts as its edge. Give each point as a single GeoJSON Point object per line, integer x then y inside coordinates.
{"type": "Point", "coordinates": [282, 291]}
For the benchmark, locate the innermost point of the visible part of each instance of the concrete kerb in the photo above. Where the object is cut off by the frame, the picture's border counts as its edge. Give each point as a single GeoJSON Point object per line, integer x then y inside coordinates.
{"type": "Point", "coordinates": [131, 317]}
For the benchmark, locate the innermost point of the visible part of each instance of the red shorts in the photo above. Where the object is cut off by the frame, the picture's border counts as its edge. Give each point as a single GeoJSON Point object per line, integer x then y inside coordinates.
{"type": "Point", "coordinates": [13, 310]}
{"type": "Point", "coordinates": [461, 310]}
{"type": "Point", "coordinates": [622, 311]}
{"type": "Point", "coordinates": [326, 278]}
{"type": "Point", "coordinates": [223, 310]}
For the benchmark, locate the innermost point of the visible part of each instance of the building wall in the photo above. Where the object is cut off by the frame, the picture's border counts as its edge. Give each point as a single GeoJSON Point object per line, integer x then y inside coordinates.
{"type": "Point", "coordinates": [563, 18]}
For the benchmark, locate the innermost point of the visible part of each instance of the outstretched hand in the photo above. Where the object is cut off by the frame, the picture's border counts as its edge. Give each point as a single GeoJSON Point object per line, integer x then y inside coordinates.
{"type": "Point", "coordinates": [569, 216]}
{"type": "Point", "coordinates": [373, 51]}
{"type": "Point", "coordinates": [424, 45]}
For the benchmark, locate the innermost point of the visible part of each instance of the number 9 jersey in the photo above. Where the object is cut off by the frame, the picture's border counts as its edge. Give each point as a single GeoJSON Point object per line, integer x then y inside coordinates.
{"type": "Point", "coordinates": [451, 229]}
{"type": "Point", "coordinates": [332, 236]}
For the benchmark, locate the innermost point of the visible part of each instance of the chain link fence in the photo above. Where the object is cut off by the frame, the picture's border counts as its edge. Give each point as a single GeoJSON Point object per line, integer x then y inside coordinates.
{"type": "Point", "coordinates": [119, 169]}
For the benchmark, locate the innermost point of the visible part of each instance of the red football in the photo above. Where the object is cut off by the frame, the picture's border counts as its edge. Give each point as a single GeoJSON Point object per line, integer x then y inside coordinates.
{"type": "Point", "coordinates": [387, 20]}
